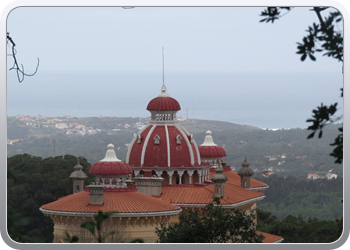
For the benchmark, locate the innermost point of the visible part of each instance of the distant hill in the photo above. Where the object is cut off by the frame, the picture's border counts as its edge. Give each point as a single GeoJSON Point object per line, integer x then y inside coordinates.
{"type": "Point", "coordinates": [287, 152]}
{"type": "Point", "coordinates": [198, 126]}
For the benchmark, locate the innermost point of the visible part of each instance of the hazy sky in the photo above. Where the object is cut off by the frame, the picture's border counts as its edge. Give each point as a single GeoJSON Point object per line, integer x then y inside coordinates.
{"type": "Point", "coordinates": [195, 39]}
{"type": "Point", "coordinates": [256, 76]}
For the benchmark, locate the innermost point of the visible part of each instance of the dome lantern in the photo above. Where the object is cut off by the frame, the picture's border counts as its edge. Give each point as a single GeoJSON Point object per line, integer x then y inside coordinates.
{"type": "Point", "coordinates": [163, 108]}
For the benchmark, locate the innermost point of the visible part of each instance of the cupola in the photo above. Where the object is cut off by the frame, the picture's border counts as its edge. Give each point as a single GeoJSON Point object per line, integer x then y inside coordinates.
{"type": "Point", "coordinates": [111, 171]}
{"type": "Point", "coordinates": [163, 107]}
{"type": "Point", "coordinates": [209, 150]}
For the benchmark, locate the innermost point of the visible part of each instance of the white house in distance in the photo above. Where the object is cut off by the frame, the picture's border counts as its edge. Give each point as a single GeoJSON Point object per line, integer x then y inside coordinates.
{"type": "Point", "coordinates": [313, 176]}
{"type": "Point", "coordinates": [331, 176]}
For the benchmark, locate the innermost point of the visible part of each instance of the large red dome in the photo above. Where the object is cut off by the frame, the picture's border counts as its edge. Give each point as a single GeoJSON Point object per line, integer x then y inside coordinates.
{"type": "Point", "coordinates": [159, 145]}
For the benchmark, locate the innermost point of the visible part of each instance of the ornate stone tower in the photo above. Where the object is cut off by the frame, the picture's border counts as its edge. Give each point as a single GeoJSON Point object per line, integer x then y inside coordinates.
{"type": "Point", "coordinates": [245, 173]}
{"type": "Point", "coordinates": [219, 180]}
{"type": "Point", "coordinates": [78, 177]}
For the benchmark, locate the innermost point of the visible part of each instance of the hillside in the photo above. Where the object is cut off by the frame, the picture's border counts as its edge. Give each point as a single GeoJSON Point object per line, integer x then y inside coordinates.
{"type": "Point", "coordinates": [283, 151]}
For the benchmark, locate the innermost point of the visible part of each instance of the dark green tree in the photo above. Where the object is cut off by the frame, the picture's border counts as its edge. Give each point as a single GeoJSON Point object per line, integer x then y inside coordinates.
{"type": "Point", "coordinates": [212, 224]}
{"type": "Point", "coordinates": [322, 37]}
{"type": "Point", "coordinates": [296, 230]}
{"type": "Point", "coordinates": [37, 182]}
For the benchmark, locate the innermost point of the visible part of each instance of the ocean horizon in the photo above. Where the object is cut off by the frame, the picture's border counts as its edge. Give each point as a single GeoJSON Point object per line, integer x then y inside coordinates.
{"type": "Point", "coordinates": [264, 100]}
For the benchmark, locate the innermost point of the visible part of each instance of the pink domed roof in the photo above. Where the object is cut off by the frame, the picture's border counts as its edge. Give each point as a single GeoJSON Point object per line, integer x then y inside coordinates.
{"type": "Point", "coordinates": [110, 168]}
{"type": "Point", "coordinates": [110, 165]}
{"type": "Point", "coordinates": [163, 102]}
{"type": "Point", "coordinates": [159, 145]}
{"type": "Point", "coordinates": [209, 149]}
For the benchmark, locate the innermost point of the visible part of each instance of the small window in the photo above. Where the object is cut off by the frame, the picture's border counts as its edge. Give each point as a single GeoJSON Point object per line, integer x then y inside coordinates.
{"type": "Point", "coordinates": [178, 139]}
{"type": "Point", "coordinates": [139, 138]}
{"type": "Point", "coordinates": [156, 139]}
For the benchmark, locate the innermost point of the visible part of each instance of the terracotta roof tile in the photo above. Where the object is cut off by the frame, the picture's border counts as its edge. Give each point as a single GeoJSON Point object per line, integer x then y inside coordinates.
{"type": "Point", "coordinates": [270, 238]}
{"type": "Point", "coordinates": [203, 194]}
{"type": "Point", "coordinates": [235, 179]}
{"type": "Point", "coordinates": [123, 202]}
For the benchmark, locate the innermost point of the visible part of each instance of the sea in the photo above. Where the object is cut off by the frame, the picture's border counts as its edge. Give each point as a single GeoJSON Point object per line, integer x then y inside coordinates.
{"type": "Point", "coordinates": [268, 100]}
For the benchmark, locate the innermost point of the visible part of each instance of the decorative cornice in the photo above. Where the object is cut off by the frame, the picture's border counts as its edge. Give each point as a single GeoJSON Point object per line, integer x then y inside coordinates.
{"type": "Point", "coordinates": [200, 205]}
{"type": "Point", "coordinates": [145, 214]}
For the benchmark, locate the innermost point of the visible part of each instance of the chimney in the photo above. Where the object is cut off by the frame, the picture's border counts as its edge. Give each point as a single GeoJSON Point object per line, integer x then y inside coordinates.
{"type": "Point", "coordinates": [148, 184]}
{"type": "Point", "coordinates": [96, 193]}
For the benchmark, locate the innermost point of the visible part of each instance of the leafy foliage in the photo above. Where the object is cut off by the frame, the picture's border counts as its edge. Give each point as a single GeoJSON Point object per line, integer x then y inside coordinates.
{"type": "Point", "coordinates": [330, 40]}
{"type": "Point", "coordinates": [296, 230]}
{"type": "Point", "coordinates": [212, 224]}
{"type": "Point", "coordinates": [323, 116]}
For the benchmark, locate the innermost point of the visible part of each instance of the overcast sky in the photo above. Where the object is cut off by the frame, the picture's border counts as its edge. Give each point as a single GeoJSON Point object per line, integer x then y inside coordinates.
{"type": "Point", "coordinates": [267, 85]}
{"type": "Point", "coordinates": [195, 39]}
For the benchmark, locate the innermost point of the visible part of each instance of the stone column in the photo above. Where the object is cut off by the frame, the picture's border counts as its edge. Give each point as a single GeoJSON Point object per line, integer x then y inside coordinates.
{"type": "Point", "coordinates": [170, 173]}
{"type": "Point", "coordinates": [190, 173]}
{"type": "Point", "coordinates": [180, 173]}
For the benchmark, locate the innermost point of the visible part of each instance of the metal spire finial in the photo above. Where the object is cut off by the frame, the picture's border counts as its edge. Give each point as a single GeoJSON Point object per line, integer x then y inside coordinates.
{"type": "Point", "coordinates": [163, 63]}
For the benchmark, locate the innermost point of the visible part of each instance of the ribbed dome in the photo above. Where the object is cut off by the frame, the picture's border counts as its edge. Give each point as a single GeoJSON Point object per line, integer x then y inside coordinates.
{"type": "Point", "coordinates": [209, 149]}
{"type": "Point", "coordinates": [110, 165]}
{"type": "Point", "coordinates": [163, 145]}
{"type": "Point", "coordinates": [110, 168]}
{"type": "Point", "coordinates": [163, 102]}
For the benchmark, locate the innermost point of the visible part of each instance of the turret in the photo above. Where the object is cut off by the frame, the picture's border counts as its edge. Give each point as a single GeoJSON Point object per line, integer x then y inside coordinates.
{"type": "Point", "coordinates": [245, 173]}
{"type": "Point", "coordinates": [78, 177]}
{"type": "Point", "coordinates": [219, 180]}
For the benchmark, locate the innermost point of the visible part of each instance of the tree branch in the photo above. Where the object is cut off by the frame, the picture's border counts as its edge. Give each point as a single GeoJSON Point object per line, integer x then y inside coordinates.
{"type": "Point", "coordinates": [19, 71]}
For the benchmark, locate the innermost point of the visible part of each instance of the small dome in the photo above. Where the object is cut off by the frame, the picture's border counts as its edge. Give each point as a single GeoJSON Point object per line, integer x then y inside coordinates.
{"type": "Point", "coordinates": [78, 172]}
{"type": "Point", "coordinates": [163, 102]}
{"type": "Point", "coordinates": [209, 149]}
{"type": "Point", "coordinates": [110, 165]}
{"type": "Point", "coordinates": [110, 168]}
{"type": "Point", "coordinates": [219, 177]}
{"type": "Point", "coordinates": [245, 170]}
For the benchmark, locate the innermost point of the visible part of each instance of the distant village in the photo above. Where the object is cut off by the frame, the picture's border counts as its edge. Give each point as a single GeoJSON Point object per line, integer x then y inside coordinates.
{"type": "Point", "coordinates": [280, 158]}
{"type": "Point", "coordinates": [70, 128]}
